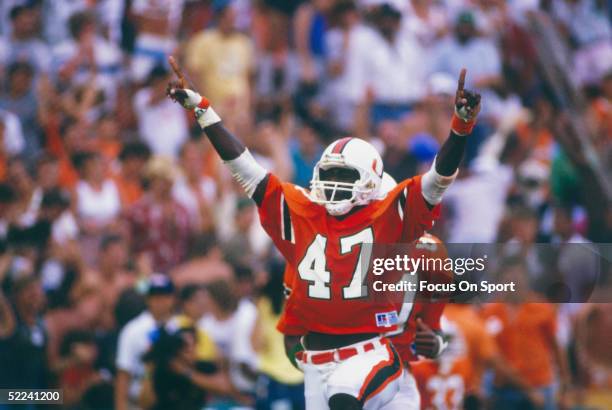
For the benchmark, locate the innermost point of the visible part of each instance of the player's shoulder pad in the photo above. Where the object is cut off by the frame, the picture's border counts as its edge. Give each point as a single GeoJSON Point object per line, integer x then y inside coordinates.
{"type": "Point", "coordinates": [298, 200]}
{"type": "Point", "coordinates": [396, 197]}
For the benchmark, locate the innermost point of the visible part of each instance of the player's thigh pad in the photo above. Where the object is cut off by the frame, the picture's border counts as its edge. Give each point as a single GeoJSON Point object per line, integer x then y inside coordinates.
{"type": "Point", "coordinates": [407, 398]}
{"type": "Point", "coordinates": [372, 377]}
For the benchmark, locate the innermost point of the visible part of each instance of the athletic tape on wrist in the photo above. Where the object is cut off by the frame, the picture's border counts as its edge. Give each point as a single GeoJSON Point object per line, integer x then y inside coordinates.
{"type": "Point", "coordinates": [206, 116]}
{"type": "Point", "coordinates": [204, 103]}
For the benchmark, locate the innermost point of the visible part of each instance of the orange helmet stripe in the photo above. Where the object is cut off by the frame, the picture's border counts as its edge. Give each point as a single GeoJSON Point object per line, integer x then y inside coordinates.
{"type": "Point", "coordinates": [340, 145]}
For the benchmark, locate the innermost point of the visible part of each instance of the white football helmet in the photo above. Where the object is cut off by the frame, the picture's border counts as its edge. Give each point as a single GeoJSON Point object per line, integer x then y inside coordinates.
{"type": "Point", "coordinates": [351, 154]}
{"type": "Point", "coordinates": [388, 183]}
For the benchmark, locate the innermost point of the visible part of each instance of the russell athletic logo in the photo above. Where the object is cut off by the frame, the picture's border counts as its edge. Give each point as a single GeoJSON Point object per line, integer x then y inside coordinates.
{"type": "Point", "coordinates": [386, 319]}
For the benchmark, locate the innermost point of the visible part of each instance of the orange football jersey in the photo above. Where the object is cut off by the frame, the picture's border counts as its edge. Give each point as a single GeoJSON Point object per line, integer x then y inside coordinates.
{"type": "Point", "coordinates": [442, 384]}
{"type": "Point", "coordinates": [325, 254]}
{"type": "Point", "coordinates": [423, 307]}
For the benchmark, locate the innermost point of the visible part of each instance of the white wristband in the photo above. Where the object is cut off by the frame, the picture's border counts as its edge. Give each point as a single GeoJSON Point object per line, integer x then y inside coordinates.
{"type": "Point", "coordinates": [433, 184]}
{"type": "Point", "coordinates": [206, 117]}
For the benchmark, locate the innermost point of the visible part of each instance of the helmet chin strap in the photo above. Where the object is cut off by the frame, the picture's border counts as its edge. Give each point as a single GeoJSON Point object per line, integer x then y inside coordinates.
{"type": "Point", "coordinates": [339, 209]}
{"type": "Point", "coordinates": [343, 207]}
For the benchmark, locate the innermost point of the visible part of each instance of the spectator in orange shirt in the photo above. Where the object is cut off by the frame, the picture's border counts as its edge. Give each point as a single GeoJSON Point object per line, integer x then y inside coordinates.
{"type": "Point", "coordinates": [72, 141]}
{"type": "Point", "coordinates": [454, 381]}
{"type": "Point", "coordinates": [107, 141]}
{"type": "Point", "coordinates": [133, 157]}
{"type": "Point", "coordinates": [525, 331]}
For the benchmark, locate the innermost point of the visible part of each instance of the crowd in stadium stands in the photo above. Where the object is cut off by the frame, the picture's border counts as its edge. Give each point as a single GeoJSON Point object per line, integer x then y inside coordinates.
{"type": "Point", "coordinates": [134, 271]}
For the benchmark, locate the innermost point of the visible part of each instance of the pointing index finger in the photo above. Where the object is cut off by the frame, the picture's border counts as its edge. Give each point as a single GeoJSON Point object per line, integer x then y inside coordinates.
{"type": "Point", "coordinates": [177, 70]}
{"type": "Point", "coordinates": [461, 82]}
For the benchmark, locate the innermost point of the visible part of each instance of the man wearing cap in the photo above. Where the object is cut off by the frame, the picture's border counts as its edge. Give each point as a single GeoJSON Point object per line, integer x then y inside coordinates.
{"type": "Point", "coordinates": [478, 55]}
{"type": "Point", "coordinates": [135, 339]}
{"type": "Point", "coordinates": [390, 66]}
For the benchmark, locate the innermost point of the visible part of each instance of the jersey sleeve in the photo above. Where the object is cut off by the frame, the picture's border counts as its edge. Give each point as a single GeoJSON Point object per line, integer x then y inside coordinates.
{"type": "Point", "coordinates": [275, 217]}
{"type": "Point", "coordinates": [431, 315]}
{"type": "Point", "coordinates": [414, 211]}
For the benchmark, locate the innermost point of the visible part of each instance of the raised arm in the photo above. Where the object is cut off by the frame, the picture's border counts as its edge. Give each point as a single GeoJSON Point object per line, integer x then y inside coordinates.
{"type": "Point", "coordinates": [446, 164]}
{"type": "Point", "coordinates": [251, 176]}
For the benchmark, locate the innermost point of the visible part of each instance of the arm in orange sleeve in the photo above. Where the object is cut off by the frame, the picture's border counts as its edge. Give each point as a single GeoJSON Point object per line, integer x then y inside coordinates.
{"type": "Point", "coordinates": [431, 314]}
{"type": "Point", "coordinates": [418, 215]}
{"type": "Point", "coordinates": [275, 215]}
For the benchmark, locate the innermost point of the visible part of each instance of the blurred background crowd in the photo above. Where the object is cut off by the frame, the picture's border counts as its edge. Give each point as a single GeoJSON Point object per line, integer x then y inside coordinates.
{"type": "Point", "coordinates": [136, 275]}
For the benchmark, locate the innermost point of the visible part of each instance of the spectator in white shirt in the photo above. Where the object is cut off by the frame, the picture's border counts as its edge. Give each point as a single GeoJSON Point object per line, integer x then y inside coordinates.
{"type": "Point", "coordinates": [55, 206]}
{"type": "Point", "coordinates": [195, 191]}
{"type": "Point", "coordinates": [97, 197]}
{"type": "Point", "coordinates": [162, 124]}
{"type": "Point", "coordinates": [24, 45]}
{"type": "Point", "coordinates": [56, 14]}
{"type": "Point", "coordinates": [342, 93]}
{"type": "Point", "coordinates": [21, 99]}
{"type": "Point", "coordinates": [87, 52]}
{"type": "Point", "coordinates": [588, 23]}
{"type": "Point", "coordinates": [392, 67]}
{"type": "Point", "coordinates": [475, 221]}
{"type": "Point", "coordinates": [11, 133]}
{"type": "Point", "coordinates": [426, 21]}
{"type": "Point", "coordinates": [478, 55]}
{"type": "Point", "coordinates": [157, 22]}
{"type": "Point", "coordinates": [5, 21]}
{"type": "Point", "coordinates": [136, 337]}
{"type": "Point", "coordinates": [231, 324]}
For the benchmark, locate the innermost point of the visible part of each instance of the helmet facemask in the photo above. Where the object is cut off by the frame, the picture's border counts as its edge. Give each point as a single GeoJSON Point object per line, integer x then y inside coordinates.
{"type": "Point", "coordinates": [340, 188]}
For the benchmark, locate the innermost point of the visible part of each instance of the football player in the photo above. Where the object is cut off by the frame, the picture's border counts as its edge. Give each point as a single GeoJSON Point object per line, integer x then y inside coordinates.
{"type": "Point", "coordinates": [419, 333]}
{"type": "Point", "coordinates": [442, 382]}
{"type": "Point", "coordinates": [347, 364]}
